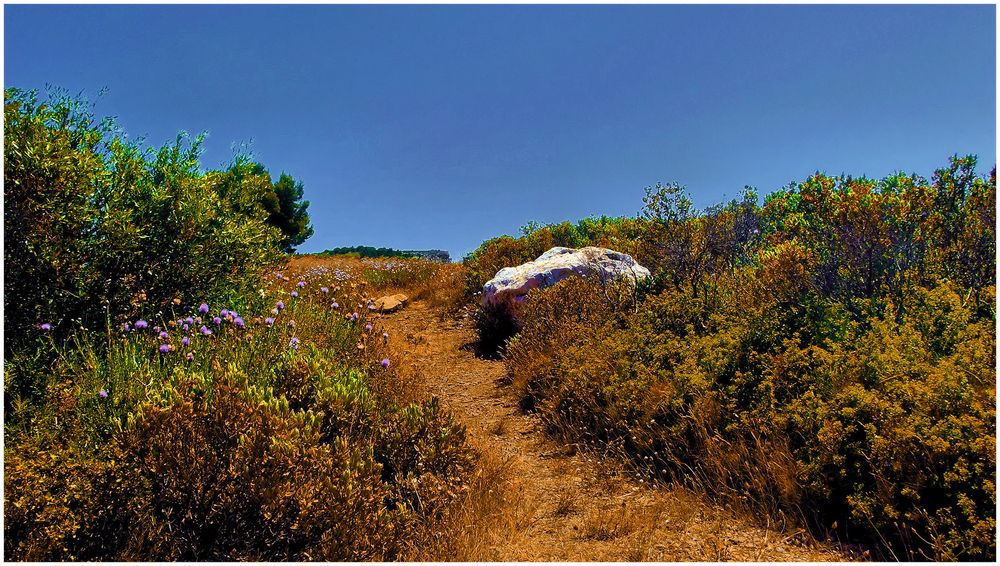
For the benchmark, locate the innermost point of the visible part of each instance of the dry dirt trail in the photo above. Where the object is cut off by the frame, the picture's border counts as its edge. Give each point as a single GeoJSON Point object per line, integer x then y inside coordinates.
{"type": "Point", "coordinates": [572, 505]}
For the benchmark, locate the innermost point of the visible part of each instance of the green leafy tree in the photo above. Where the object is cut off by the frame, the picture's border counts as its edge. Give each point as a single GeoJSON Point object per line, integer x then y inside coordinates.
{"type": "Point", "coordinates": [288, 212]}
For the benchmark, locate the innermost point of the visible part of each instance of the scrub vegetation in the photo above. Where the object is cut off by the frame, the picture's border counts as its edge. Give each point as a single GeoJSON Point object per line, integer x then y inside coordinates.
{"type": "Point", "coordinates": [171, 395]}
{"type": "Point", "coordinates": [826, 358]}
{"type": "Point", "coordinates": [178, 387]}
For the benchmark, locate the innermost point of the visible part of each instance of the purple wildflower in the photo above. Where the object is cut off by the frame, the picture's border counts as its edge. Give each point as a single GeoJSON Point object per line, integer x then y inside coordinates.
{"type": "Point", "coordinates": [223, 313]}
{"type": "Point", "coordinates": [141, 324]}
{"type": "Point", "coordinates": [164, 348]}
{"type": "Point", "coordinates": [103, 393]}
{"type": "Point", "coordinates": [189, 320]}
{"type": "Point", "coordinates": [295, 293]}
{"type": "Point", "coordinates": [269, 321]}
{"type": "Point", "coordinates": [164, 335]}
{"type": "Point", "coordinates": [46, 327]}
{"type": "Point", "coordinates": [335, 305]}
{"type": "Point", "coordinates": [368, 327]}
{"type": "Point", "coordinates": [280, 305]}
{"type": "Point", "coordinates": [301, 284]}
{"type": "Point", "coordinates": [185, 341]}
{"type": "Point", "coordinates": [186, 327]}
{"type": "Point", "coordinates": [239, 322]}
{"type": "Point", "coordinates": [217, 321]}
{"type": "Point", "coordinates": [204, 330]}
{"type": "Point", "coordinates": [203, 309]}
{"type": "Point", "coordinates": [325, 289]}
{"type": "Point", "coordinates": [294, 343]}
{"type": "Point", "coordinates": [385, 362]}
{"type": "Point", "coordinates": [190, 356]}
{"type": "Point", "coordinates": [385, 335]}
{"type": "Point", "coordinates": [126, 326]}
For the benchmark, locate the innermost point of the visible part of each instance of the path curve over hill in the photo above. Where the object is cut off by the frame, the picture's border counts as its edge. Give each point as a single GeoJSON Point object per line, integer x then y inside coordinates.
{"type": "Point", "coordinates": [568, 505]}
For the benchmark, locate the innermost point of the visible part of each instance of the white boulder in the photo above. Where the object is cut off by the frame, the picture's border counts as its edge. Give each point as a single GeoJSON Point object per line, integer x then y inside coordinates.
{"type": "Point", "coordinates": [511, 284]}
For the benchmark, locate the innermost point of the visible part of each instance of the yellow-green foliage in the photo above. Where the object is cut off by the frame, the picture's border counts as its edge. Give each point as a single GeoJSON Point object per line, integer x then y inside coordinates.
{"type": "Point", "coordinates": [834, 366]}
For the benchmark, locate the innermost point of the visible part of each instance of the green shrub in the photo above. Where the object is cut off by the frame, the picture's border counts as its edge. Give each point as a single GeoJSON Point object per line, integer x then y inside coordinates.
{"type": "Point", "coordinates": [99, 229]}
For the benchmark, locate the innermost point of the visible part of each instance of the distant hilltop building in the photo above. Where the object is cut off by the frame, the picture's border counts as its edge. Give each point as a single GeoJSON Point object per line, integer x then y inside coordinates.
{"type": "Point", "coordinates": [433, 255]}
{"type": "Point", "coordinates": [368, 251]}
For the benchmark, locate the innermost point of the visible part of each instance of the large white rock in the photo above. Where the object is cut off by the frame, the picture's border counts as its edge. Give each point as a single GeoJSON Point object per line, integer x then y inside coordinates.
{"type": "Point", "coordinates": [511, 284]}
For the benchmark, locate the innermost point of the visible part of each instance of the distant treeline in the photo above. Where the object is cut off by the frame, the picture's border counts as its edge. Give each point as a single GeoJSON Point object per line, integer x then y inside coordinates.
{"type": "Point", "coordinates": [369, 251]}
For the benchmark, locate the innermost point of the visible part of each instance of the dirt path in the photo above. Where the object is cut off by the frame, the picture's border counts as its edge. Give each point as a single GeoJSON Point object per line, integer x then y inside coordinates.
{"type": "Point", "coordinates": [573, 506]}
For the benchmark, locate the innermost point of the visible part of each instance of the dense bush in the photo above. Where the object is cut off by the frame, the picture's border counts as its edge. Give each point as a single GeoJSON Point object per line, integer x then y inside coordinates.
{"type": "Point", "coordinates": [827, 358]}
{"type": "Point", "coordinates": [97, 227]}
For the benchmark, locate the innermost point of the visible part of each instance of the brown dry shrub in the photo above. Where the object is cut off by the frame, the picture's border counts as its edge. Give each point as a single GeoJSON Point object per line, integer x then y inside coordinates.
{"type": "Point", "coordinates": [219, 469]}
{"type": "Point", "coordinates": [552, 321]}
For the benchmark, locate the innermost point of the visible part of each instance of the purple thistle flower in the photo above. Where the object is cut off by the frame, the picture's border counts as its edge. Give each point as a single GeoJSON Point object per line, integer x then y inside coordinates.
{"type": "Point", "coordinates": [354, 317]}
{"type": "Point", "coordinates": [217, 321]}
{"type": "Point", "coordinates": [385, 362]}
{"type": "Point", "coordinates": [186, 327]}
{"type": "Point", "coordinates": [204, 330]}
{"type": "Point", "coordinates": [335, 305]}
{"type": "Point", "coordinates": [103, 393]}
{"type": "Point", "coordinates": [294, 343]}
{"type": "Point", "coordinates": [185, 341]}
{"type": "Point", "coordinates": [156, 329]}
{"type": "Point", "coordinates": [203, 309]}
{"type": "Point", "coordinates": [141, 324]}
{"type": "Point", "coordinates": [295, 293]}
{"type": "Point", "coordinates": [269, 321]}
{"type": "Point", "coordinates": [164, 335]}
{"type": "Point", "coordinates": [280, 305]}
{"type": "Point", "coordinates": [301, 284]}
{"type": "Point", "coordinates": [368, 327]}
{"type": "Point", "coordinates": [126, 326]}
{"type": "Point", "coordinates": [325, 289]}
{"type": "Point", "coordinates": [223, 313]}
{"type": "Point", "coordinates": [45, 327]}
{"type": "Point", "coordinates": [189, 320]}
{"type": "Point", "coordinates": [239, 322]}
{"type": "Point", "coordinates": [164, 348]}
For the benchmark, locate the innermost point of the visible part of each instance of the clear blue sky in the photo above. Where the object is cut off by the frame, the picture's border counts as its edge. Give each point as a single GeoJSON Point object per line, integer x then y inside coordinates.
{"type": "Point", "coordinates": [439, 127]}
